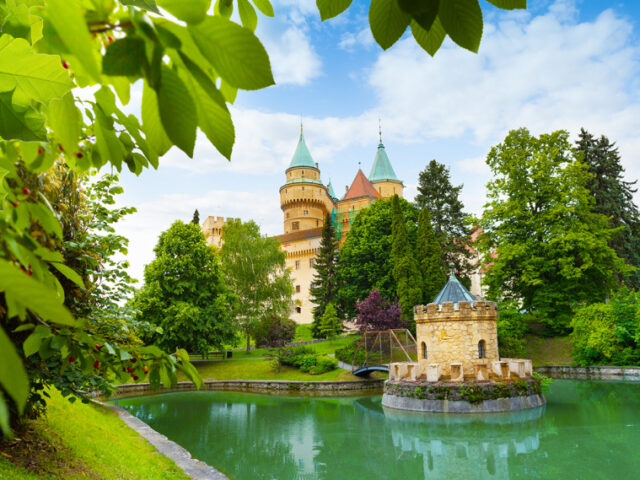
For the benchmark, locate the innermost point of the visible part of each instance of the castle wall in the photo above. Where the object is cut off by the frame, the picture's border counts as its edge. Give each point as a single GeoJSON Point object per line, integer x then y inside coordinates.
{"type": "Point", "coordinates": [212, 229]}
{"type": "Point", "coordinates": [389, 188]}
{"type": "Point", "coordinates": [299, 259]}
{"type": "Point", "coordinates": [452, 336]}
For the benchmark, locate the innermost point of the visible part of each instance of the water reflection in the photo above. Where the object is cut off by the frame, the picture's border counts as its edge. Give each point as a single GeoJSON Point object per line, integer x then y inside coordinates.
{"type": "Point", "coordinates": [588, 430]}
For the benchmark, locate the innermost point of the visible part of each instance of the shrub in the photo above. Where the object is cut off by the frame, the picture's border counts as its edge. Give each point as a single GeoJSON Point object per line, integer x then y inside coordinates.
{"type": "Point", "coordinates": [608, 333]}
{"type": "Point", "coordinates": [287, 356]}
{"type": "Point", "coordinates": [273, 331]}
{"type": "Point", "coordinates": [324, 364]}
{"type": "Point", "coordinates": [346, 353]}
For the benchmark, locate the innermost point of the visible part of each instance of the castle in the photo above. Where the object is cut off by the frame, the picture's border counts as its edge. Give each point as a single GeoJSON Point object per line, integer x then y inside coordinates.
{"type": "Point", "coordinates": [305, 201]}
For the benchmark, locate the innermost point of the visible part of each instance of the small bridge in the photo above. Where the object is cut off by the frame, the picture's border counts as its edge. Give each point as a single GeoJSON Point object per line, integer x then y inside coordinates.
{"type": "Point", "coordinates": [376, 350]}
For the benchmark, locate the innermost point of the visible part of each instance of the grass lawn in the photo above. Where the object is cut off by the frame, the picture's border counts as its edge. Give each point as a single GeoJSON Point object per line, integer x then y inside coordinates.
{"type": "Point", "coordinates": [549, 350]}
{"type": "Point", "coordinates": [303, 333]}
{"type": "Point", "coordinates": [79, 441]}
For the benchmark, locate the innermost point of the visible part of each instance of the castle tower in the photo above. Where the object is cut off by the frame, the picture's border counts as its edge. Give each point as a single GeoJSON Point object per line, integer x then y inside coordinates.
{"type": "Point", "coordinates": [304, 200]}
{"type": "Point", "coordinates": [383, 177]}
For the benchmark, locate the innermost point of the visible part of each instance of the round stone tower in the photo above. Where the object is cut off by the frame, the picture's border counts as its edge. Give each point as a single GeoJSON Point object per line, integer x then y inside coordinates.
{"type": "Point", "coordinates": [304, 200]}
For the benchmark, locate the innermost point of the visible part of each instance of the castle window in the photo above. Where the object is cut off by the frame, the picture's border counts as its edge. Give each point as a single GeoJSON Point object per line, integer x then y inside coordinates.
{"type": "Point", "coordinates": [297, 264]}
{"type": "Point", "coordinates": [303, 173]}
{"type": "Point", "coordinates": [297, 288]}
{"type": "Point", "coordinates": [305, 213]}
{"type": "Point", "coordinates": [303, 189]}
{"type": "Point", "coordinates": [424, 350]}
{"type": "Point", "coordinates": [317, 223]}
{"type": "Point", "coordinates": [295, 225]}
{"type": "Point", "coordinates": [287, 214]}
{"type": "Point", "coordinates": [311, 262]}
{"type": "Point", "coordinates": [298, 310]}
{"type": "Point", "coordinates": [481, 349]}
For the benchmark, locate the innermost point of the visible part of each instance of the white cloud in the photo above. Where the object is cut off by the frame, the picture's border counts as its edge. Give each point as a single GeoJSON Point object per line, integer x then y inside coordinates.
{"type": "Point", "coordinates": [293, 59]}
{"type": "Point", "coordinates": [350, 41]}
{"type": "Point", "coordinates": [153, 217]}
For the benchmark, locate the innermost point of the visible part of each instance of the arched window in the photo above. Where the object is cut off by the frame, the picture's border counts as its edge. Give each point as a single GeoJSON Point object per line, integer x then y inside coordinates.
{"type": "Point", "coordinates": [424, 350]}
{"type": "Point", "coordinates": [481, 349]}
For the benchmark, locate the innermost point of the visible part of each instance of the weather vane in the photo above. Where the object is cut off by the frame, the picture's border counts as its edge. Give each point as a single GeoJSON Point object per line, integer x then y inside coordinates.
{"type": "Point", "coordinates": [380, 129]}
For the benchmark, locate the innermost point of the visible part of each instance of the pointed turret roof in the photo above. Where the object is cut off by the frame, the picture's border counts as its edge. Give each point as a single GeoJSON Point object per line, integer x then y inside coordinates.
{"type": "Point", "coordinates": [302, 156]}
{"type": "Point", "coordinates": [361, 187]}
{"type": "Point", "coordinates": [454, 291]}
{"type": "Point", "coordinates": [332, 194]}
{"type": "Point", "coordinates": [382, 169]}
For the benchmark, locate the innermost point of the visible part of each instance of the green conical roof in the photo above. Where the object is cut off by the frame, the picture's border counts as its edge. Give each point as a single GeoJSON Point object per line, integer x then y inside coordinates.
{"type": "Point", "coordinates": [302, 156]}
{"type": "Point", "coordinates": [382, 169]}
{"type": "Point", "coordinates": [454, 291]}
{"type": "Point", "coordinates": [331, 192]}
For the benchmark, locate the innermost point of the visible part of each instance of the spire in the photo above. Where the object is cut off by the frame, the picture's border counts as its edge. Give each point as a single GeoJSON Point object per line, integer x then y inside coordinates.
{"type": "Point", "coordinates": [454, 291]}
{"type": "Point", "coordinates": [382, 169]}
{"type": "Point", "coordinates": [380, 130]}
{"type": "Point", "coordinates": [331, 192]}
{"type": "Point", "coordinates": [302, 156]}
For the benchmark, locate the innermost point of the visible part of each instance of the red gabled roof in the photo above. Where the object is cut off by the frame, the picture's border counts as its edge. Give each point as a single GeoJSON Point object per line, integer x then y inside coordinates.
{"type": "Point", "coordinates": [361, 187]}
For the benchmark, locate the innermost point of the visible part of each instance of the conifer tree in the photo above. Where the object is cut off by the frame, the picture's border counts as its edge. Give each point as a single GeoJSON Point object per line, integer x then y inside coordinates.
{"type": "Point", "coordinates": [405, 267]}
{"type": "Point", "coordinates": [449, 220]}
{"type": "Point", "coordinates": [324, 286]}
{"type": "Point", "coordinates": [196, 218]}
{"type": "Point", "coordinates": [330, 324]}
{"type": "Point", "coordinates": [613, 198]}
{"type": "Point", "coordinates": [429, 256]}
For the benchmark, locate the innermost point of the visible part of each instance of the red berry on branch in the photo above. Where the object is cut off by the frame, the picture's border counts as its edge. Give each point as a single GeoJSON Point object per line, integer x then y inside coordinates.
{"type": "Point", "coordinates": [134, 360]}
{"type": "Point", "coordinates": [129, 369]}
{"type": "Point", "coordinates": [145, 369]}
{"type": "Point", "coordinates": [96, 364]}
{"type": "Point", "coordinates": [29, 272]}
{"type": "Point", "coordinates": [61, 148]}
{"type": "Point", "coordinates": [109, 38]}
{"type": "Point", "coordinates": [40, 150]}
{"type": "Point", "coordinates": [15, 204]}
{"type": "Point", "coordinates": [26, 191]}
{"type": "Point", "coordinates": [79, 155]}
{"type": "Point", "coordinates": [65, 64]}
{"type": "Point", "coordinates": [98, 347]}
{"type": "Point", "coordinates": [72, 359]}
{"type": "Point", "coordinates": [135, 377]}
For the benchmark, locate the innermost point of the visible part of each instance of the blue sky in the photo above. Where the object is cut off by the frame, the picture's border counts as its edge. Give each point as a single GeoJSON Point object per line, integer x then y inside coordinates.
{"type": "Point", "coordinates": [560, 64]}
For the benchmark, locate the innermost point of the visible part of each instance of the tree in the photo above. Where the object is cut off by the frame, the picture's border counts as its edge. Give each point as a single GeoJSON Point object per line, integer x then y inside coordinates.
{"type": "Point", "coordinates": [545, 245]}
{"type": "Point", "coordinates": [429, 256]}
{"type": "Point", "coordinates": [364, 261]}
{"type": "Point", "coordinates": [613, 198]}
{"type": "Point", "coordinates": [196, 217]}
{"type": "Point", "coordinates": [376, 313]}
{"type": "Point", "coordinates": [330, 324]}
{"type": "Point", "coordinates": [325, 281]}
{"type": "Point", "coordinates": [405, 268]}
{"type": "Point", "coordinates": [256, 272]}
{"type": "Point", "coordinates": [273, 331]}
{"type": "Point", "coordinates": [450, 222]}
{"type": "Point", "coordinates": [185, 293]}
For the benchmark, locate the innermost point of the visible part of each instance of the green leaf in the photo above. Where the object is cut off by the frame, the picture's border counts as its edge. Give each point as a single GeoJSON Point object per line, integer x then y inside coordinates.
{"type": "Point", "coordinates": [387, 22]}
{"type": "Point", "coordinates": [264, 6]}
{"type": "Point", "coordinates": [215, 121]}
{"type": "Point", "coordinates": [191, 11]}
{"type": "Point", "coordinates": [228, 92]}
{"type": "Point", "coordinates": [248, 15]}
{"type": "Point", "coordinates": [18, 22]}
{"type": "Point", "coordinates": [69, 273]}
{"type": "Point", "coordinates": [177, 111]}
{"type": "Point", "coordinates": [235, 52]}
{"type": "Point", "coordinates": [107, 141]}
{"type": "Point", "coordinates": [13, 376]}
{"type": "Point", "coordinates": [151, 124]}
{"type": "Point", "coordinates": [426, 18]}
{"type": "Point", "coordinates": [67, 18]}
{"type": "Point", "coordinates": [204, 80]}
{"type": "Point", "coordinates": [331, 8]}
{"type": "Point", "coordinates": [509, 4]}
{"type": "Point", "coordinates": [430, 40]}
{"type": "Point", "coordinates": [149, 5]}
{"type": "Point", "coordinates": [33, 295]}
{"type": "Point", "coordinates": [32, 75]}
{"type": "Point", "coordinates": [223, 8]}
{"type": "Point", "coordinates": [32, 344]}
{"type": "Point", "coordinates": [124, 57]}
{"type": "Point", "coordinates": [46, 218]}
{"type": "Point", "coordinates": [20, 122]}
{"type": "Point", "coordinates": [4, 418]}
{"type": "Point", "coordinates": [462, 20]}
{"type": "Point", "coordinates": [65, 121]}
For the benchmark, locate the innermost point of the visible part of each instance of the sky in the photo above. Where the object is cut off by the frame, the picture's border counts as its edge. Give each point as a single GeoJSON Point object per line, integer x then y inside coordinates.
{"type": "Point", "coordinates": [561, 64]}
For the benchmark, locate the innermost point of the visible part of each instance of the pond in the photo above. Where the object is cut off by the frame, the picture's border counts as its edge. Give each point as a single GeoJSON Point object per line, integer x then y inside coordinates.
{"type": "Point", "coordinates": [588, 430]}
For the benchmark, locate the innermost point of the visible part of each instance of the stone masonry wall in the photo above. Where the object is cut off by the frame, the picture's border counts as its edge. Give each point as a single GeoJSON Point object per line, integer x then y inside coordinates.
{"type": "Point", "coordinates": [452, 335]}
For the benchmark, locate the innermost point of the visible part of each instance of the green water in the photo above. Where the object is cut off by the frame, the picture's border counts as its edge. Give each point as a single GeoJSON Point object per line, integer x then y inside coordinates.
{"type": "Point", "coordinates": [588, 430]}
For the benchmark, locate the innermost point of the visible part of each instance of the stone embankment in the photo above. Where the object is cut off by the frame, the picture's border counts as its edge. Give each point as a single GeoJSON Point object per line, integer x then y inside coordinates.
{"type": "Point", "coordinates": [591, 373]}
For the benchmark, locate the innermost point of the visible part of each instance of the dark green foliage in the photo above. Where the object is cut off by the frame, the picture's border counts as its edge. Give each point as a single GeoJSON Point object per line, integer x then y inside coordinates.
{"type": "Point", "coordinates": [608, 334]}
{"type": "Point", "coordinates": [324, 288]}
{"type": "Point", "coordinates": [545, 246]}
{"type": "Point", "coordinates": [405, 268]}
{"type": "Point", "coordinates": [449, 221]}
{"type": "Point", "coordinates": [429, 257]}
{"type": "Point", "coordinates": [196, 218]}
{"type": "Point", "coordinates": [330, 324]}
{"type": "Point", "coordinates": [184, 293]}
{"type": "Point", "coordinates": [613, 198]}
{"type": "Point", "coordinates": [273, 331]}
{"type": "Point", "coordinates": [306, 359]}
{"type": "Point", "coordinates": [364, 261]}
{"type": "Point", "coordinates": [512, 326]}
{"type": "Point", "coordinates": [346, 354]}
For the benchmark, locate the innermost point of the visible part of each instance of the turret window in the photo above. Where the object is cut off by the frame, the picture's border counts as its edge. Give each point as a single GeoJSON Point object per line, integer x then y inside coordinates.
{"type": "Point", "coordinates": [305, 213]}
{"type": "Point", "coordinates": [298, 310]}
{"type": "Point", "coordinates": [297, 288]}
{"type": "Point", "coordinates": [297, 264]}
{"type": "Point", "coordinates": [481, 349]}
{"type": "Point", "coordinates": [295, 225]}
{"type": "Point", "coordinates": [424, 350]}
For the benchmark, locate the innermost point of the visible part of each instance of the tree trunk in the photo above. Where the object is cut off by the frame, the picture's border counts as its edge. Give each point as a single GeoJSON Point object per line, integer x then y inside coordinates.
{"type": "Point", "coordinates": [248, 342]}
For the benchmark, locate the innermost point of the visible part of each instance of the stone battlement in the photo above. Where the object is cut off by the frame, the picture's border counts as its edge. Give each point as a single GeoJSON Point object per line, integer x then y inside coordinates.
{"type": "Point", "coordinates": [449, 311]}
